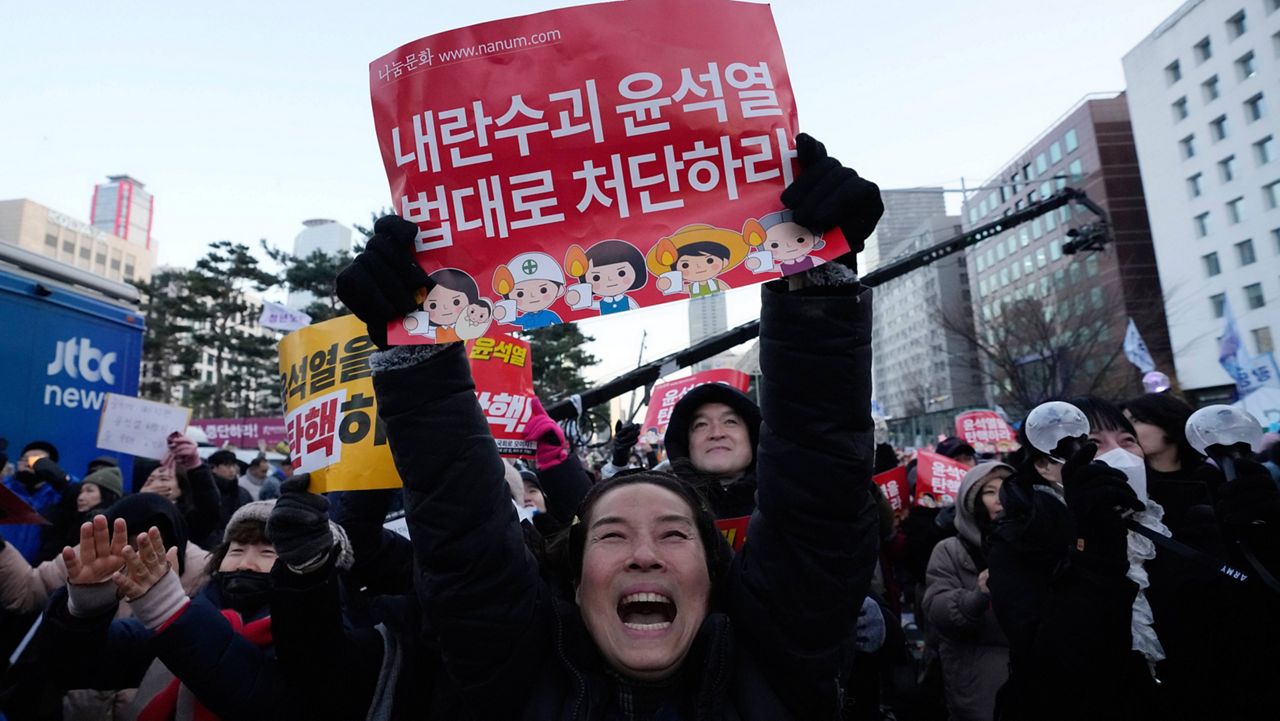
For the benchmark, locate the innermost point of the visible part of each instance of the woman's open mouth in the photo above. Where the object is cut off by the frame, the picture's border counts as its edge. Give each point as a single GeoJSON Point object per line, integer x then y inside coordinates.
{"type": "Point", "coordinates": [646, 611]}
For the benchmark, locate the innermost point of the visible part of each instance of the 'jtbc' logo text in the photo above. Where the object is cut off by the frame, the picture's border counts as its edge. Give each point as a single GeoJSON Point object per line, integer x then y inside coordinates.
{"type": "Point", "coordinates": [79, 359]}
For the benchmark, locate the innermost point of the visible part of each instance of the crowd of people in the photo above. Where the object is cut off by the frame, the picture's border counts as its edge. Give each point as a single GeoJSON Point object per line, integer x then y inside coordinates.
{"type": "Point", "coordinates": [564, 590]}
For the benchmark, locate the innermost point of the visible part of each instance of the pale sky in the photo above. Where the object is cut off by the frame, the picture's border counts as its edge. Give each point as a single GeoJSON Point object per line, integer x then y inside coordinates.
{"type": "Point", "coordinates": [245, 118]}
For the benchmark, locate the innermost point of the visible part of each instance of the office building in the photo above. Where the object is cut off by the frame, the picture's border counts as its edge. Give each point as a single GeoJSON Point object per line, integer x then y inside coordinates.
{"type": "Point", "coordinates": [1053, 320]}
{"type": "Point", "coordinates": [1203, 94]}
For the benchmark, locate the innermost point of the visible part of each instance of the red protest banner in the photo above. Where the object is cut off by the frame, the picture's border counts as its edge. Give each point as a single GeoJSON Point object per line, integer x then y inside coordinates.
{"type": "Point", "coordinates": [894, 484]}
{"type": "Point", "coordinates": [665, 395]}
{"type": "Point", "coordinates": [242, 432]}
{"type": "Point", "coordinates": [937, 479]}
{"type": "Point", "coordinates": [503, 372]}
{"type": "Point", "coordinates": [734, 530]}
{"type": "Point", "coordinates": [589, 161]}
{"type": "Point", "coordinates": [15, 511]}
{"type": "Point", "coordinates": [986, 431]}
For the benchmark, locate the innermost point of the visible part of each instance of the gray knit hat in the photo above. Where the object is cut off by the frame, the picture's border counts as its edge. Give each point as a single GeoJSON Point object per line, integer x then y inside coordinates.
{"type": "Point", "coordinates": [108, 477]}
{"type": "Point", "coordinates": [256, 511]}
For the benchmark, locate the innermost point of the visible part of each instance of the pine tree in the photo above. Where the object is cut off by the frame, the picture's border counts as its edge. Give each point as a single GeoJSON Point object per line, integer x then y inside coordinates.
{"type": "Point", "coordinates": [168, 358]}
{"type": "Point", "coordinates": [559, 357]}
{"type": "Point", "coordinates": [314, 274]}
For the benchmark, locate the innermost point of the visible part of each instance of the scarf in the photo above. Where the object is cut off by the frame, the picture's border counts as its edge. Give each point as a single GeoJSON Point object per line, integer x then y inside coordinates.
{"type": "Point", "coordinates": [164, 706]}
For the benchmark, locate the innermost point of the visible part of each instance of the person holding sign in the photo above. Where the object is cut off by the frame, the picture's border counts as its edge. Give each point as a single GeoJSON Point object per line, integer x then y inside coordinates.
{"type": "Point", "coordinates": [660, 623]}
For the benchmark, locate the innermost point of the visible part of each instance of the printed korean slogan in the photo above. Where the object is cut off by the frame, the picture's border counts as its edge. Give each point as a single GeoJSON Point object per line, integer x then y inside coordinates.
{"type": "Point", "coordinates": [937, 479]}
{"type": "Point", "coordinates": [589, 161]}
{"type": "Point", "coordinates": [986, 431]}
{"type": "Point", "coordinates": [242, 432]}
{"type": "Point", "coordinates": [331, 415]}
{"type": "Point", "coordinates": [665, 395]}
{"type": "Point", "coordinates": [894, 485]}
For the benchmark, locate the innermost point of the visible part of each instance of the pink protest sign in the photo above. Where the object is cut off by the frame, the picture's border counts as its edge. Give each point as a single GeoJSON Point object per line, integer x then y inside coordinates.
{"type": "Point", "coordinates": [986, 431]}
{"type": "Point", "coordinates": [665, 395]}
{"type": "Point", "coordinates": [937, 479]}
{"type": "Point", "coordinates": [590, 161]}
{"type": "Point", "coordinates": [242, 432]}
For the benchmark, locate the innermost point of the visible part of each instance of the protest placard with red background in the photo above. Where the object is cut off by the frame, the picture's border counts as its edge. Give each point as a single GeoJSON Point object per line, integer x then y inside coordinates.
{"type": "Point", "coordinates": [590, 160]}
{"type": "Point", "coordinates": [665, 395]}
{"type": "Point", "coordinates": [939, 477]}
{"type": "Point", "coordinates": [503, 372]}
{"type": "Point", "coordinates": [894, 484]}
{"type": "Point", "coordinates": [986, 431]}
{"type": "Point", "coordinates": [734, 530]}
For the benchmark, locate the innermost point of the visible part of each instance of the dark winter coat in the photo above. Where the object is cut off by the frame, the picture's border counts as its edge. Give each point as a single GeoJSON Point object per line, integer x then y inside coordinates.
{"type": "Point", "coordinates": [772, 652]}
{"type": "Point", "coordinates": [1068, 627]}
{"type": "Point", "coordinates": [731, 500]}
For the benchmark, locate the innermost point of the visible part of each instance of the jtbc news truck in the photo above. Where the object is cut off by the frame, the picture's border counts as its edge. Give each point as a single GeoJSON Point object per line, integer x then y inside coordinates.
{"type": "Point", "coordinates": [67, 338]}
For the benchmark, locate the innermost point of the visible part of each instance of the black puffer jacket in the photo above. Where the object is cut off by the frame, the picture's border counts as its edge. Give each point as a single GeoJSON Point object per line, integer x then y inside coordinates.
{"type": "Point", "coordinates": [777, 647]}
{"type": "Point", "coordinates": [732, 500]}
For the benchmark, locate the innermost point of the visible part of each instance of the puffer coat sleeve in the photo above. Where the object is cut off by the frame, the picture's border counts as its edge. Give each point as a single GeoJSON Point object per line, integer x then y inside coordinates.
{"type": "Point", "coordinates": [480, 585]}
{"type": "Point", "coordinates": [797, 585]}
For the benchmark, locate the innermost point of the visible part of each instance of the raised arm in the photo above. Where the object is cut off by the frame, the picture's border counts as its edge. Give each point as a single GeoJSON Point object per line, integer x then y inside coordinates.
{"type": "Point", "coordinates": [799, 581]}
{"type": "Point", "coordinates": [480, 585]}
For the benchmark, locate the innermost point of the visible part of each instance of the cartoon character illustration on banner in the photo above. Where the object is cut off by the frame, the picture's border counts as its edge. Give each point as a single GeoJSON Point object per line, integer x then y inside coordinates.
{"type": "Point", "coordinates": [780, 244]}
{"type": "Point", "coordinates": [453, 304]}
{"type": "Point", "coordinates": [529, 284]}
{"type": "Point", "coordinates": [606, 272]}
{"type": "Point", "coordinates": [692, 259]}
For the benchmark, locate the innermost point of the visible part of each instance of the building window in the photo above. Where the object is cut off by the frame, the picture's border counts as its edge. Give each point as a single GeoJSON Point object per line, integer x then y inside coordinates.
{"type": "Point", "coordinates": [1255, 108]}
{"type": "Point", "coordinates": [1211, 265]}
{"type": "Point", "coordinates": [1013, 244]}
{"type": "Point", "coordinates": [1235, 211]}
{"type": "Point", "coordinates": [1075, 273]}
{"type": "Point", "coordinates": [1245, 66]}
{"type": "Point", "coordinates": [1046, 189]}
{"type": "Point", "coordinates": [1041, 258]}
{"type": "Point", "coordinates": [1218, 304]}
{"type": "Point", "coordinates": [1091, 266]}
{"type": "Point", "coordinates": [1262, 340]}
{"type": "Point", "coordinates": [1015, 271]}
{"type": "Point", "coordinates": [1227, 168]}
{"type": "Point", "coordinates": [1060, 278]}
{"type": "Point", "coordinates": [1028, 265]}
{"type": "Point", "coordinates": [100, 261]}
{"type": "Point", "coordinates": [1203, 50]}
{"type": "Point", "coordinates": [1218, 128]}
{"type": "Point", "coordinates": [1275, 236]}
{"type": "Point", "coordinates": [1210, 89]}
{"type": "Point", "coordinates": [1004, 277]}
{"type": "Point", "coordinates": [1071, 142]}
{"type": "Point", "coordinates": [1264, 150]}
{"type": "Point", "coordinates": [1179, 108]}
{"type": "Point", "coordinates": [1236, 25]}
{"type": "Point", "coordinates": [85, 252]}
{"type": "Point", "coordinates": [1244, 252]}
{"type": "Point", "coordinates": [1193, 185]}
{"type": "Point", "coordinates": [1055, 153]}
{"type": "Point", "coordinates": [69, 246]}
{"type": "Point", "coordinates": [1188, 146]}
{"type": "Point", "coordinates": [1201, 223]}
{"type": "Point", "coordinates": [1055, 249]}
{"type": "Point", "coordinates": [1172, 74]}
{"type": "Point", "coordinates": [1253, 296]}
{"type": "Point", "coordinates": [1076, 169]}
{"type": "Point", "coordinates": [1049, 222]}
{"type": "Point", "coordinates": [51, 240]}
{"type": "Point", "coordinates": [1041, 164]}
{"type": "Point", "coordinates": [1095, 297]}
{"type": "Point", "coordinates": [1271, 195]}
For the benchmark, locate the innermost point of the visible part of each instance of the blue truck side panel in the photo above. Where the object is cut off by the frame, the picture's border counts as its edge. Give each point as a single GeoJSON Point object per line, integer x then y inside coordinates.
{"type": "Point", "coordinates": [60, 354]}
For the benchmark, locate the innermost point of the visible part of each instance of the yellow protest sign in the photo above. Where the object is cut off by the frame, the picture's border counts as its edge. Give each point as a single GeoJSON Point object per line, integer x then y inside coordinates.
{"type": "Point", "coordinates": [331, 415]}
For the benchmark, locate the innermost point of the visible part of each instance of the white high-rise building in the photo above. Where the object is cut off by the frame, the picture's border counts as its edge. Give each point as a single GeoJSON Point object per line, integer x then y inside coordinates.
{"type": "Point", "coordinates": [319, 234]}
{"type": "Point", "coordinates": [1204, 90]}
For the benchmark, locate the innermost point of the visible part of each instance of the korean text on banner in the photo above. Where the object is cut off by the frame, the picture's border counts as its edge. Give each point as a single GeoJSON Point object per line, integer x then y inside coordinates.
{"type": "Point", "coordinates": [589, 161]}
{"type": "Point", "coordinates": [139, 427]}
{"type": "Point", "coordinates": [665, 395]}
{"type": "Point", "coordinates": [331, 415]}
{"type": "Point", "coordinates": [937, 479]}
{"type": "Point", "coordinates": [331, 418]}
{"type": "Point", "coordinates": [893, 483]}
{"type": "Point", "coordinates": [503, 371]}
{"type": "Point", "coordinates": [986, 431]}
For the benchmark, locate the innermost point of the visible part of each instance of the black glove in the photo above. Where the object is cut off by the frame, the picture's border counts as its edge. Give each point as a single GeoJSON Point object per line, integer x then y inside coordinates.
{"type": "Point", "coordinates": [1249, 500]}
{"type": "Point", "coordinates": [826, 194]}
{"type": "Point", "coordinates": [49, 472]}
{"type": "Point", "coordinates": [1097, 495]}
{"type": "Point", "coordinates": [382, 283]}
{"type": "Point", "coordinates": [624, 439]}
{"type": "Point", "coordinates": [299, 524]}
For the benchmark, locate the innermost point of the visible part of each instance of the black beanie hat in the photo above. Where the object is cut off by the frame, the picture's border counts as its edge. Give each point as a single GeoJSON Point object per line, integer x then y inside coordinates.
{"type": "Point", "coordinates": [45, 446]}
{"type": "Point", "coordinates": [141, 511]}
{"type": "Point", "coordinates": [677, 437]}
